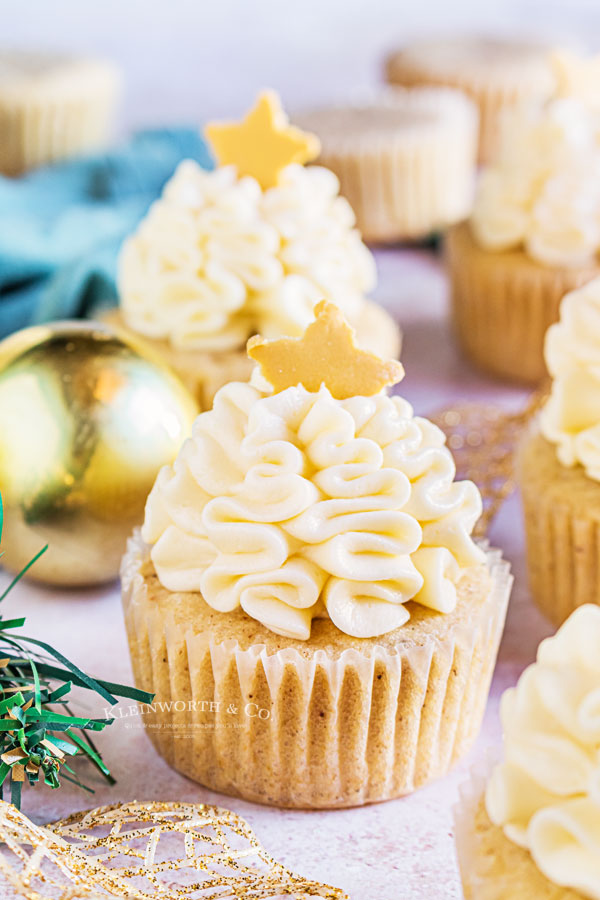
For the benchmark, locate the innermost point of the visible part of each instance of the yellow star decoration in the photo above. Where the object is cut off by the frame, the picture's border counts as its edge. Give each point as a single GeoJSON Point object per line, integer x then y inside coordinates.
{"type": "Point", "coordinates": [325, 354]}
{"type": "Point", "coordinates": [577, 76]}
{"type": "Point", "coordinates": [263, 143]}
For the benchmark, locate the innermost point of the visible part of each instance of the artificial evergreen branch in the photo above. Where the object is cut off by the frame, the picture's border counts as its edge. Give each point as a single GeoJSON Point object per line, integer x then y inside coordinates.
{"type": "Point", "coordinates": [38, 732]}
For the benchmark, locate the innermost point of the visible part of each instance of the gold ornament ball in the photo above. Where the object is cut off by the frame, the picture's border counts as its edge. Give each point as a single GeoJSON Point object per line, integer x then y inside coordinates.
{"type": "Point", "coordinates": [87, 418]}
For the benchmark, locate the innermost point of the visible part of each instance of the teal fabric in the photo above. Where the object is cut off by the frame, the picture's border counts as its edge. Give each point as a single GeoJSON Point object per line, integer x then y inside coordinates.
{"type": "Point", "coordinates": [61, 227]}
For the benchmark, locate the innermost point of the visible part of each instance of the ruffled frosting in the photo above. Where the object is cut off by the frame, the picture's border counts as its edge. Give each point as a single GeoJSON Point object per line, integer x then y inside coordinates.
{"type": "Point", "coordinates": [217, 259]}
{"type": "Point", "coordinates": [546, 792]}
{"type": "Point", "coordinates": [571, 417]}
{"type": "Point", "coordinates": [295, 505]}
{"type": "Point", "coordinates": [543, 192]}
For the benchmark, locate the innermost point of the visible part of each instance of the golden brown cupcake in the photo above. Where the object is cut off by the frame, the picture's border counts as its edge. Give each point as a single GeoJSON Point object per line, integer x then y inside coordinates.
{"type": "Point", "coordinates": [534, 233]}
{"type": "Point", "coordinates": [405, 160]}
{"type": "Point", "coordinates": [53, 107]}
{"type": "Point", "coordinates": [531, 830]}
{"type": "Point", "coordinates": [497, 74]}
{"type": "Point", "coordinates": [558, 464]}
{"type": "Point", "coordinates": [305, 597]}
{"type": "Point", "coordinates": [249, 247]}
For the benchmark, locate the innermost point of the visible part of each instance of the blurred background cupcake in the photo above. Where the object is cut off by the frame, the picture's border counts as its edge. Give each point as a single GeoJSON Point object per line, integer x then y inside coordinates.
{"type": "Point", "coordinates": [53, 106]}
{"type": "Point", "coordinates": [558, 464]}
{"type": "Point", "coordinates": [534, 233]}
{"type": "Point", "coordinates": [530, 829]}
{"type": "Point", "coordinates": [249, 247]}
{"type": "Point", "coordinates": [498, 74]}
{"type": "Point", "coordinates": [405, 159]}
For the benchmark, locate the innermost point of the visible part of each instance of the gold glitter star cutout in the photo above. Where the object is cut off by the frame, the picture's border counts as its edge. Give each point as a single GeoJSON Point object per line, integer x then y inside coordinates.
{"type": "Point", "coordinates": [263, 143]}
{"type": "Point", "coordinates": [325, 354]}
{"type": "Point", "coordinates": [577, 76]}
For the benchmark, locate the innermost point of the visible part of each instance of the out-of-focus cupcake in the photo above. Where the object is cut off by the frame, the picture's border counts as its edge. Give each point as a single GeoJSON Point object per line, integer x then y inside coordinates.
{"type": "Point", "coordinates": [531, 831]}
{"type": "Point", "coordinates": [305, 597]}
{"type": "Point", "coordinates": [497, 74]}
{"type": "Point", "coordinates": [558, 464]}
{"type": "Point", "coordinates": [53, 107]}
{"type": "Point", "coordinates": [534, 233]}
{"type": "Point", "coordinates": [249, 247]}
{"type": "Point", "coordinates": [405, 159]}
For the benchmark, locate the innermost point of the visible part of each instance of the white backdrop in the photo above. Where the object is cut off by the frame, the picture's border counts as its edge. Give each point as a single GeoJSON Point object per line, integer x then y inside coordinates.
{"type": "Point", "coordinates": [187, 59]}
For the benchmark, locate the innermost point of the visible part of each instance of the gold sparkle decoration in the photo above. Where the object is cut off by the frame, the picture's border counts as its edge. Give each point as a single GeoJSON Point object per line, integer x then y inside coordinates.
{"type": "Point", "coordinates": [325, 354]}
{"type": "Point", "coordinates": [144, 851]}
{"type": "Point", "coordinates": [263, 143]}
{"type": "Point", "coordinates": [483, 440]}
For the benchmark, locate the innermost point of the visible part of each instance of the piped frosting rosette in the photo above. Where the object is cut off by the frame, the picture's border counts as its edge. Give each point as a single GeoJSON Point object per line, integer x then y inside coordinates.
{"type": "Point", "coordinates": [546, 792]}
{"type": "Point", "coordinates": [249, 247]}
{"type": "Point", "coordinates": [293, 503]}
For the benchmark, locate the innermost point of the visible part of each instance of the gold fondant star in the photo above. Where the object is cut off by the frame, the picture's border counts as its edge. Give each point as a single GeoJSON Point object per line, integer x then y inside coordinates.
{"type": "Point", "coordinates": [263, 143]}
{"type": "Point", "coordinates": [325, 354]}
{"type": "Point", "coordinates": [577, 76]}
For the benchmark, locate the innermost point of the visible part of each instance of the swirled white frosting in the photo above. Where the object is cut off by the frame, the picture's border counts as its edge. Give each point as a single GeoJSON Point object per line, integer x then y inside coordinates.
{"type": "Point", "coordinates": [546, 792]}
{"type": "Point", "coordinates": [295, 505]}
{"type": "Point", "coordinates": [543, 192]}
{"type": "Point", "coordinates": [217, 258]}
{"type": "Point", "coordinates": [571, 416]}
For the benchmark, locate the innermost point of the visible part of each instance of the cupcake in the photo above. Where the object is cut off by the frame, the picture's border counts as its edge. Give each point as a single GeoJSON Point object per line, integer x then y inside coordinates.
{"type": "Point", "coordinates": [53, 107]}
{"type": "Point", "coordinates": [249, 247]}
{"type": "Point", "coordinates": [497, 74]}
{"type": "Point", "coordinates": [558, 464]}
{"type": "Point", "coordinates": [532, 829]}
{"type": "Point", "coordinates": [534, 233]}
{"type": "Point", "coordinates": [305, 598]}
{"type": "Point", "coordinates": [405, 161]}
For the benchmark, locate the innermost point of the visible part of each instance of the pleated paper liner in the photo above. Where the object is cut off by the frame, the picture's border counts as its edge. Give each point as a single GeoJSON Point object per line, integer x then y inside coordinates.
{"type": "Point", "coordinates": [503, 303]}
{"type": "Point", "coordinates": [492, 867]}
{"type": "Point", "coordinates": [144, 851]}
{"type": "Point", "coordinates": [330, 722]}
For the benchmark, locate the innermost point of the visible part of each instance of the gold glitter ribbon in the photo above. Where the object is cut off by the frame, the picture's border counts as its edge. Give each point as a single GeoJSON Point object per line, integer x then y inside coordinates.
{"type": "Point", "coordinates": [483, 440]}
{"type": "Point", "coordinates": [144, 851]}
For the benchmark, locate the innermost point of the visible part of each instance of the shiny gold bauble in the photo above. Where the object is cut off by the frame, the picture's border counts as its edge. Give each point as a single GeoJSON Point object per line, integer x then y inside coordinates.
{"type": "Point", "coordinates": [87, 418]}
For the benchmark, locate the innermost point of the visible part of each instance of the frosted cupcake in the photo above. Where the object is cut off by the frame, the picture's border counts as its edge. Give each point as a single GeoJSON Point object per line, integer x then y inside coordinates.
{"type": "Point", "coordinates": [53, 107]}
{"type": "Point", "coordinates": [498, 74]}
{"type": "Point", "coordinates": [532, 830]}
{"type": "Point", "coordinates": [305, 596]}
{"type": "Point", "coordinates": [534, 233]}
{"type": "Point", "coordinates": [249, 247]}
{"type": "Point", "coordinates": [558, 464]}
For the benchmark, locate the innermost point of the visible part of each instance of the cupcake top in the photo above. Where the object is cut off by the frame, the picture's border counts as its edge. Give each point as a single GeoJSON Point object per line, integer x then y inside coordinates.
{"type": "Point", "coordinates": [542, 193]}
{"type": "Point", "coordinates": [309, 492]}
{"type": "Point", "coordinates": [249, 247]}
{"type": "Point", "coordinates": [571, 416]}
{"type": "Point", "coordinates": [546, 792]}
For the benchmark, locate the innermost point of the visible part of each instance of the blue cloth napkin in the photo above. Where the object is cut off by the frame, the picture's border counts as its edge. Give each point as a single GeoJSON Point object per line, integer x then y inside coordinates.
{"type": "Point", "coordinates": [61, 227]}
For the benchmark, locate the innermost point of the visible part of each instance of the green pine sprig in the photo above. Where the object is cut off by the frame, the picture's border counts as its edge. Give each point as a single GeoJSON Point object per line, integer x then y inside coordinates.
{"type": "Point", "coordinates": [39, 735]}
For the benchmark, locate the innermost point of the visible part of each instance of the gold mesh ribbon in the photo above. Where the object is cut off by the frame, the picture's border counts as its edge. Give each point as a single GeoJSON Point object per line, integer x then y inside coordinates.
{"type": "Point", "coordinates": [483, 440]}
{"type": "Point", "coordinates": [143, 851]}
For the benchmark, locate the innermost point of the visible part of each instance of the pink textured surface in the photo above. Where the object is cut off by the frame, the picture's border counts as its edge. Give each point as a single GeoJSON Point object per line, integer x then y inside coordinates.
{"type": "Point", "coordinates": [402, 849]}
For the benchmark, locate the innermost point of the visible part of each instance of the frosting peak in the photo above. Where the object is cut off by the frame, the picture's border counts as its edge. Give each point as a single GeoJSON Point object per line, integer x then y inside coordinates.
{"type": "Point", "coordinates": [217, 258]}
{"type": "Point", "coordinates": [297, 505]}
{"type": "Point", "coordinates": [546, 792]}
{"type": "Point", "coordinates": [571, 416]}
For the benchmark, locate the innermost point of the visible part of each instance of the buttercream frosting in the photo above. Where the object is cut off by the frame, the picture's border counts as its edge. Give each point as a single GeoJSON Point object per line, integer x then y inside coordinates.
{"type": "Point", "coordinates": [571, 416]}
{"type": "Point", "coordinates": [546, 792]}
{"type": "Point", "coordinates": [542, 194]}
{"type": "Point", "coordinates": [217, 258]}
{"type": "Point", "coordinates": [295, 504]}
